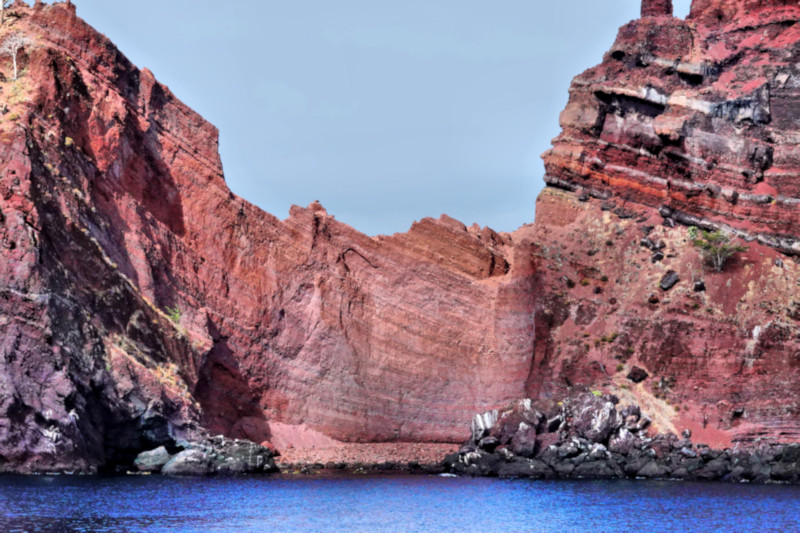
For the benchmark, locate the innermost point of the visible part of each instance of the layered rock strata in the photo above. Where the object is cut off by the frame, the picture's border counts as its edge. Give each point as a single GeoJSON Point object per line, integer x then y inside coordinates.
{"type": "Point", "coordinates": [685, 122]}
{"type": "Point", "coordinates": [142, 302]}
{"type": "Point", "coordinates": [699, 117]}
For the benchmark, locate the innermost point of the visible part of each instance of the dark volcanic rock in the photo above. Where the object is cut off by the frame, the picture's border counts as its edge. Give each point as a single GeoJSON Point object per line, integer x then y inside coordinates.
{"type": "Point", "coordinates": [524, 440]}
{"type": "Point", "coordinates": [670, 279]}
{"type": "Point", "coordinates": [593, 418]}
{"type": "Point", "coordinates": [221, 456]}
{"type": "Point", "coordinates": [624, 442]}
{"type": "Point", "coordinates": [577, 448]}
{"type": "Point", "coordinates": [699, 286]}
{"type": "Point", "coordinates": [191, 462]}
{"type": "Point", "coordinates": [637, 374]}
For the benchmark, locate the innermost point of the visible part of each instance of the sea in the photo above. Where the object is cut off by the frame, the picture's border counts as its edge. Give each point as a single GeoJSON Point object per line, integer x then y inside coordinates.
{"type": "Point", "coordinates": [378, 503]}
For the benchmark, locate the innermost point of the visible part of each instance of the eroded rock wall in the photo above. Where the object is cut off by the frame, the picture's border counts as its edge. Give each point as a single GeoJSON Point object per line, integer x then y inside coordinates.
{"type": "Point", "coordinates": [685, 122]}
{"type": "Point", "coordinates": [699, 116]}
{"type": "Point", "coordinates": [138, 291]}
{"type": "Point", "coordinates": [142, 303]}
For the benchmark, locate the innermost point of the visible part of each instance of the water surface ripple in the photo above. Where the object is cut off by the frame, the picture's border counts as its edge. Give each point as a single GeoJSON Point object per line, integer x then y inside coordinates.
{"type": "Point", "coordinates": [389, 503]}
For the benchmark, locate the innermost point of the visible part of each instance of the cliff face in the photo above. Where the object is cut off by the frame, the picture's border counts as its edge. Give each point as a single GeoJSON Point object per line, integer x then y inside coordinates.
{"type": "Point", "coordinates": [141, 301]}
{"type": "Point", "coordinates": [692, 122]}
{"type": "Point", "coordinates": [143, 304]}
{"type": "Point", "coordinates": [699, 117]}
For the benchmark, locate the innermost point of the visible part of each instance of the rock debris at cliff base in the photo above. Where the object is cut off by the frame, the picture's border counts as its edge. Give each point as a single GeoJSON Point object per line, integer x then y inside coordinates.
{"type": "Point", "coordinates": [589, 435]}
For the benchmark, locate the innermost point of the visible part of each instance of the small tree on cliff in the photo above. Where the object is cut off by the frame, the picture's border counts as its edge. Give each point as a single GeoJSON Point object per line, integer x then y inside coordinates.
{"type": "Point", "coordinates": [12, 45]}
{"type": "Point", "coordinates": [716, 247]}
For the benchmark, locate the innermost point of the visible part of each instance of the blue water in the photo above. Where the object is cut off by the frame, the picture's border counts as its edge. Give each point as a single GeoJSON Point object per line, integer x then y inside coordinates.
{"type": "Point", "coordinates": [390, 503]}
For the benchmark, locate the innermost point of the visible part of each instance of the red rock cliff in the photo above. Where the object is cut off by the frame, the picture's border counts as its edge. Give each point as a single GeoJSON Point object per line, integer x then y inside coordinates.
{"type": "Point", "coordinates": [699, 117]}
{"type": "Point", "coordinates": [694, 122]}
{"type": "Point", "coordinates": [141, 300]}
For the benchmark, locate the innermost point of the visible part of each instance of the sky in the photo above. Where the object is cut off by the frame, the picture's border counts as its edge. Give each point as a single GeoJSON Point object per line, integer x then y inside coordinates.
{"type": "Point", "coordinates": [386, 111]}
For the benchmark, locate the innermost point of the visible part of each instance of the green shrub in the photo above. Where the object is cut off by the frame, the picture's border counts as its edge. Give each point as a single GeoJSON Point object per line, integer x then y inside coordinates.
{"type": "Point", "coordinates": [716, 247]}
{"type": "Point", "coordinates": [174, 313]}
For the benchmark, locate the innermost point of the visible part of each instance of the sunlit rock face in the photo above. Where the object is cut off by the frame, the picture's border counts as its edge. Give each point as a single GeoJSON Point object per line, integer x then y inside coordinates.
{"type": "Point", "coordinates": [685, 122]}
{"type": "Point", "coordinates": [700, 116]}
{"type": "Point", "coordinates": [142, 304]}
{"type": "Point", "coordinates": [142, 301]}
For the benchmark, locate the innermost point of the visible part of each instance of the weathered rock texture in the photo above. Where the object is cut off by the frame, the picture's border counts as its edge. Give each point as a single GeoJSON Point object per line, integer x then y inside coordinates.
{"type": "Point", "coordinates": [588, 435]}
{"type": "Point", "coordinates": [691, 122]}
{"type": "Point", "coordinates": [143, 304]}
{"type": "Point", "coordinates": [698, 116]}
{"type": "Point", "coordinates": [141, 301]}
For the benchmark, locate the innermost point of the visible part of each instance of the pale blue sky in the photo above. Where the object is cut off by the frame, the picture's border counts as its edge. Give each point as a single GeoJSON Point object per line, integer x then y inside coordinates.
{"type": "Point", "coordinates": [386, 111]}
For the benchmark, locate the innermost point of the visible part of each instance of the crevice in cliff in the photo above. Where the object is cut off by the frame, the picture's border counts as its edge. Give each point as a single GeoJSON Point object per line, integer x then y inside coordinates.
{"type": "Point", "coordinates": [359, 254]}
{"type": "Point", "coordinates": [224, 394]}
{"type": "Point", "coordinates": [625, 104]}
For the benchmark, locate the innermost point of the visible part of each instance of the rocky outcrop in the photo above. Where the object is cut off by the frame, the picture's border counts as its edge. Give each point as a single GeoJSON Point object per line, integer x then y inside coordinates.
{"type": "Point", "coordinates": [216, 456]}
{"type": "Point", "coordinates": [719, 361]}
{"type": "Point", "coordinates": [590, 435]}
{"type": "Point", "coordinates": [697, 116]}
{"type": "Point", "coordinates": [685, 122]}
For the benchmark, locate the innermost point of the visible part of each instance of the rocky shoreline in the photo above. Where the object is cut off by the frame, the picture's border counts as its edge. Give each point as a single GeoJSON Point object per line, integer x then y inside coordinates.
{"type": "Point", "coordinates": [313, 469]}
{"type": "Point", "coordinates": [223, 456]}
{"type": "Point", "coordinates": [588, 436]}
{"type": "Point", "coordinates": [215, 456]}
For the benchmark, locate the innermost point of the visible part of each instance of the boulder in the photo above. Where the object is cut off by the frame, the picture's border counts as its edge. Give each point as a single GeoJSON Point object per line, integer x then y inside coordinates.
{"type": "Point", "coordinates": [715, 469]}
{"type": "Point", "coordinates": [488, 443]}
{"type": "Point", "coordinates": [524, 440]}
{"type": "Point", "coordinates": [598, 452]}
{"type": "Point", "coordinates": [669, 280]}
{"type": "Point", "coordinates": [220, 455]}
{"type": "Point", "coordinates": [192, 462]}
{"type": "Point", "coordinates": [624, 442]}
{"type": "Point", "coordinates": [568, 449]}
{"type": "Point", "coordinates": [481, 424]}
{"type": "Point", "coordinates": [522, 416]}
{"type": "Point", "coordinates": [521, 467]}
{"type": "Point", "coordinates": [241, 457]}
{"type": "Point", "coordinates": [594, 470]}
{"type": "Point", "coordinates": [791, 453]}
{"type": "Point", "coordinates": [638, 374]}
{"type": "Point", "coordinates": [153, 460]}
{"type": "Point", "coordinates": [653, 470]}
{"type": "Point", "coordinates": [593, 418]}
{"type": "Point", "coordinates": [699, 286]}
